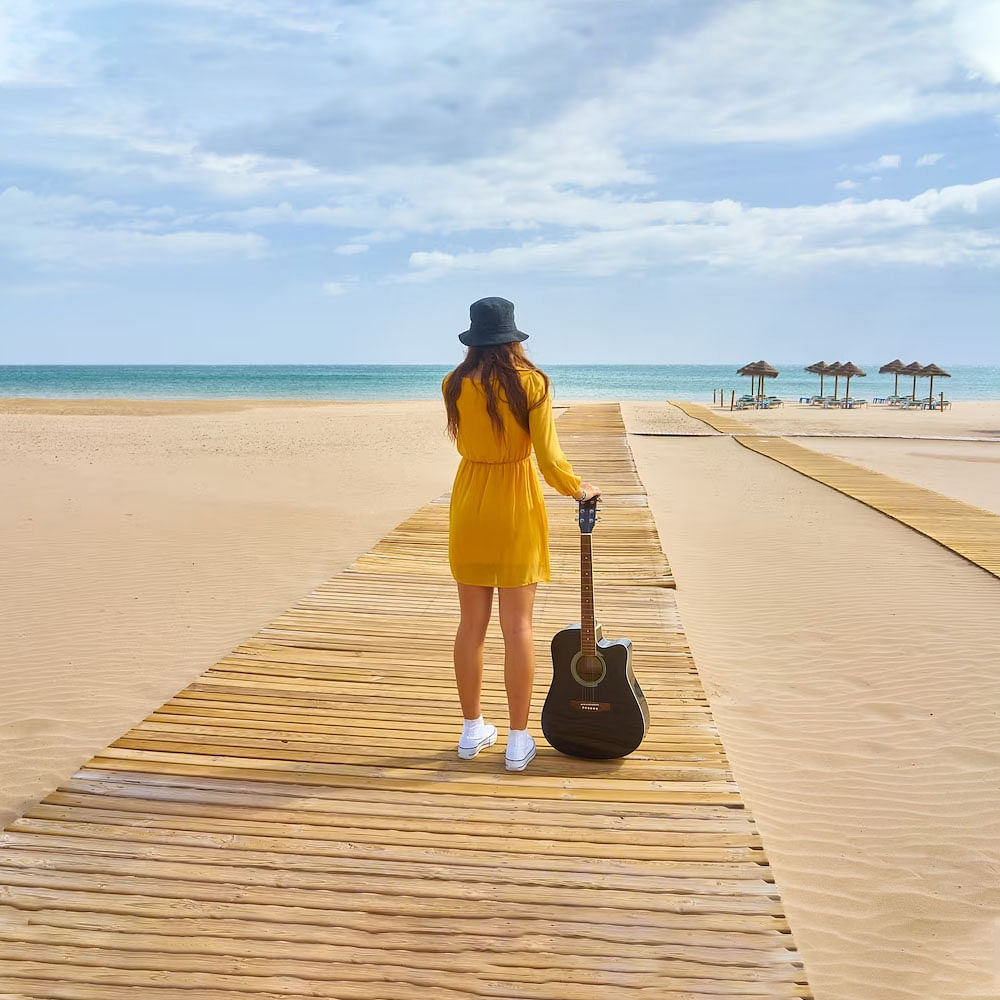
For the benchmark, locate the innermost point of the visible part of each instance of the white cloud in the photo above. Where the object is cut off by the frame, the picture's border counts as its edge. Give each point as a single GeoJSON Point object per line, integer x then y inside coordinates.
{"type": "Point", "coordinates": [976, 28]}
{"type": "Point", "coordinates": [929, 159]}
{"type": "Point", "coordinates": [87, 234]}
{"type": "Point", "coordinates": [777, 70]}
{"type": "Point", "coordinates": [35, 50]}
{"type": "Point", "coordinates": [287, 16]}
{"type": "Point", "coordinates": [46, 288]}
{"type": "Point", "coordinates": [340, 287]}
{"type": "Point", "coordinates": [786, 71]}
{"type": "Point", "coordinates": [568, 165]}
{"type": "Point", "coordinates": [954, 225]}
{"type": "Point", "coordinates": [889, 161]}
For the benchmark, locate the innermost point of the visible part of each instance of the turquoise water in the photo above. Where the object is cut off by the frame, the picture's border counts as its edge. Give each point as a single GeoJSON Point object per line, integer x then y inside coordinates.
{"type": "Point", "coordinates": [359, 382]}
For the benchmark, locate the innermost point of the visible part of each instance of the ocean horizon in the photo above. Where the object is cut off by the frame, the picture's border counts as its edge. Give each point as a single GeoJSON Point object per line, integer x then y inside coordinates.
{"type": "Point", "coordinates": [396, 382]}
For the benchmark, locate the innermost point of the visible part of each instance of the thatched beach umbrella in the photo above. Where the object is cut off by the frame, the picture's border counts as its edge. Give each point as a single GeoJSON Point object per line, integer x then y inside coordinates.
{"type": "Point", "coordinates": [914, 369]}
{"type": "Point", "coordinates": [851, 370]}
{"type": "Point", "coordinates": [933, 370]}
{"type": "Point", "coordinates": [752, 370]}
{"type": "Point", "coordinates": [834, 369]}
{"type": "Point", "coordinates": [893, 368]}
{"type": "Point", "coordinates": [821, 368]}
{"type": "Point", "coordinates": [766, 371]}
{"type": "Point", "coordinates": [761, 370]}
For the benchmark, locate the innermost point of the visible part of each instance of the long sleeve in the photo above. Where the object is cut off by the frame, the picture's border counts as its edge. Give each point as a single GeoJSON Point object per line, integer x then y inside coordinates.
{"type": "Point", "coordinates": [554, 465]}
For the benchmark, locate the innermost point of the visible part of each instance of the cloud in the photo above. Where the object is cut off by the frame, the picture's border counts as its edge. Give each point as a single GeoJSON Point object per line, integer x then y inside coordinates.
{"type": "Point", "coordinates": [929, 159]}
{"type": "Point", "coordinates": [334, 287]}
{"type": "Point", "coordinates": [890, 161]}
{"type": "Point", "coordinates": [85, 234]}
{"type": "Point", "coordinates": [954, 225]}
{"type": "Point", "coordinates": [976, 30]}
{"type": "Point", "coordinates": [46, 288]}
{"type": "Point", "coordinates": [347, 88]}
{"type": "Point", "coordinates": [35, 50]}
{"type": "Point", "coordinates": [463, 129]}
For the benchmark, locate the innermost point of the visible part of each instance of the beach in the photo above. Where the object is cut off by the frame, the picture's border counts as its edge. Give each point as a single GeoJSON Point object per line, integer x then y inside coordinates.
{"type": "Point", "coordinates": [850, 662]}
{"type": "Point", "coordinates": [143, 539]}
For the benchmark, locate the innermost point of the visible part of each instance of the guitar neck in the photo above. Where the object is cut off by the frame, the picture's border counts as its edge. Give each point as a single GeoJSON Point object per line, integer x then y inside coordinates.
{"type": "Point", "coordinates": [588, 637]}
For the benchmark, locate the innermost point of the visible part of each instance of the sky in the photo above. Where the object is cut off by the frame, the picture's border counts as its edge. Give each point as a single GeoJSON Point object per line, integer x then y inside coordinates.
{"type": "Point", "coordinates": [335, 181]}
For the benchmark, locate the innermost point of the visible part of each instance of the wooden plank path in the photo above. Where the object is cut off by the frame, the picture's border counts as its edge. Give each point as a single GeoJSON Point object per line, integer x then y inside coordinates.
{"type": "Point", "coordinates": [296, 823]}
{"type": "Point", "coordinates": [969, 531]}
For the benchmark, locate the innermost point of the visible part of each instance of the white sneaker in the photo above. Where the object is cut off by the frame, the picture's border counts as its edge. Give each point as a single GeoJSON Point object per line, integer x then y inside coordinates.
{"type": "Point", "coordinates": [467, 749]}
{"type": "Point", "coordinates": [523, 754]}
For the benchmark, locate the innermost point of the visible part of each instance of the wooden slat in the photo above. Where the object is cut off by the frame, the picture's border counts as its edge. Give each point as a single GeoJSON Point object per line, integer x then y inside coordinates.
{"type": "Point", "coordinates": [296, 822]}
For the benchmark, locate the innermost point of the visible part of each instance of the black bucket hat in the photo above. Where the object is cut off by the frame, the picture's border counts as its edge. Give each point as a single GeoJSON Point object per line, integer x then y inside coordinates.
{"type": "Point", "coordinates": [492, 323]}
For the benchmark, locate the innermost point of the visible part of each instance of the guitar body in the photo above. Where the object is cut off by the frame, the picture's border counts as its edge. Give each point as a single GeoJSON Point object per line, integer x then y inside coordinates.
{"type": "Point", "coordinates": [595, 707]}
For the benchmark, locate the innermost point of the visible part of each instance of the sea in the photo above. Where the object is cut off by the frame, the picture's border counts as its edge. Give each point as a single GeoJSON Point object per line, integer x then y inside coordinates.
{"type": "Point", "coordinates": [385, 382]}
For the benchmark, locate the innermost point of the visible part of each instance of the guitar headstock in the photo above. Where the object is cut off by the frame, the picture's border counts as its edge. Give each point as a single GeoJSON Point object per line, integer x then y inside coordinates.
{"type": "Point", "coordinates": [588, 514]}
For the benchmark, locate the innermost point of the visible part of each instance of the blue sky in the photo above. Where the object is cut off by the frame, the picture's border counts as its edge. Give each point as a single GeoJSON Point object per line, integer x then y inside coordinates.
{"type": "Point", "coordinates": [240, 181]}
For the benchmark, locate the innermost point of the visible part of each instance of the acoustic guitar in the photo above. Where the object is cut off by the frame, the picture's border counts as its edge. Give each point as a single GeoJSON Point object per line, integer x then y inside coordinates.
{"type": "Point", "coordinates": [595, 707]}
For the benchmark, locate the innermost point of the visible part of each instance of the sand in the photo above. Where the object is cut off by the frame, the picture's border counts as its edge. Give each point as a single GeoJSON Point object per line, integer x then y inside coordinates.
{"type": "Point", "coordinates": [143, 540]}
{"type": "Point", "coordinates": [854, 680]}
{"type": "Point", "coordinates": [851, 665]}
{"type": "Point", "coordinates": [968, 471]}
{"type": "Point", "coordinates": [963, 419]}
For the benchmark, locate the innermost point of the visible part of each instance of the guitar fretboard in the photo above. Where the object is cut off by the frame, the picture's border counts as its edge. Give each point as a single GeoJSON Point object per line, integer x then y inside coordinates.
{"type": "Point", "coordinates": [588, 641]}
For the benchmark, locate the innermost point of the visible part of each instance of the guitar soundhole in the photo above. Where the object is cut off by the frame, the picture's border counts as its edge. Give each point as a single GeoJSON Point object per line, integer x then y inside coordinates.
{"type": "Point", "coordinates": [588, 670]}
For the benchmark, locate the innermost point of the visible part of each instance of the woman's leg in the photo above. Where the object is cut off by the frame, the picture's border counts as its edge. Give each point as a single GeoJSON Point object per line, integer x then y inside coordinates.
{"type": "Point", "coordinates": [476, 605]}
{"type": "Point", "coordinates": [516, 608]}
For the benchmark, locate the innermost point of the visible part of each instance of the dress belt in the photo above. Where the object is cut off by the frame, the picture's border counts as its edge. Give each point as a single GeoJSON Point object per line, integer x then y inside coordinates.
{"type": "Point", "coordinates": [509, 461]}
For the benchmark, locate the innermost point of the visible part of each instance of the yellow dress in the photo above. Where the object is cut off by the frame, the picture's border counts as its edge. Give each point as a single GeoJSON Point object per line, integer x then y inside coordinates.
{"type": "Point", "coordinates": [498, 531]}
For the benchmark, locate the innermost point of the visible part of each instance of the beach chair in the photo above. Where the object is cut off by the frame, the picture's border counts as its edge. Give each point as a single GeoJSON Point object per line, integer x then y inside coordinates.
{"type": "Point", "coordinates": [830, 402]}
{"type": "Point", "coordinates": [851, 403]}
{"type": "Point", "coordinates": [772, 401]}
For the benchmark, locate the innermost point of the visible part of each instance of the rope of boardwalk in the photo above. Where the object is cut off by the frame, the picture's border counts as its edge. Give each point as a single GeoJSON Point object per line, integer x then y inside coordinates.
{"type": "Point", "coordinates": [965, 529]}
{"type": "Point", "coordinates": [260, 835]}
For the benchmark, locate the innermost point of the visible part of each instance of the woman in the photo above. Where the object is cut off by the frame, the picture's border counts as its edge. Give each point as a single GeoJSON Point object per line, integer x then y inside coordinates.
{"type": "Point", "coordinates": [499, 406]}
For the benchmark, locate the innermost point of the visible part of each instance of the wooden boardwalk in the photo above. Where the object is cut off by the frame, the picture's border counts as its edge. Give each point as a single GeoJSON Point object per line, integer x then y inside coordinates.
{"type": "Point", "coordinates": [969, 531]}
{"type": "Point", "coordinates": [296, 822]}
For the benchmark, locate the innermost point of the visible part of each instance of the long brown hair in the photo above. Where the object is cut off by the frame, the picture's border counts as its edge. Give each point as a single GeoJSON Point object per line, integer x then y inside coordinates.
{"type": "Point", "coordinates": [496, 363]}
